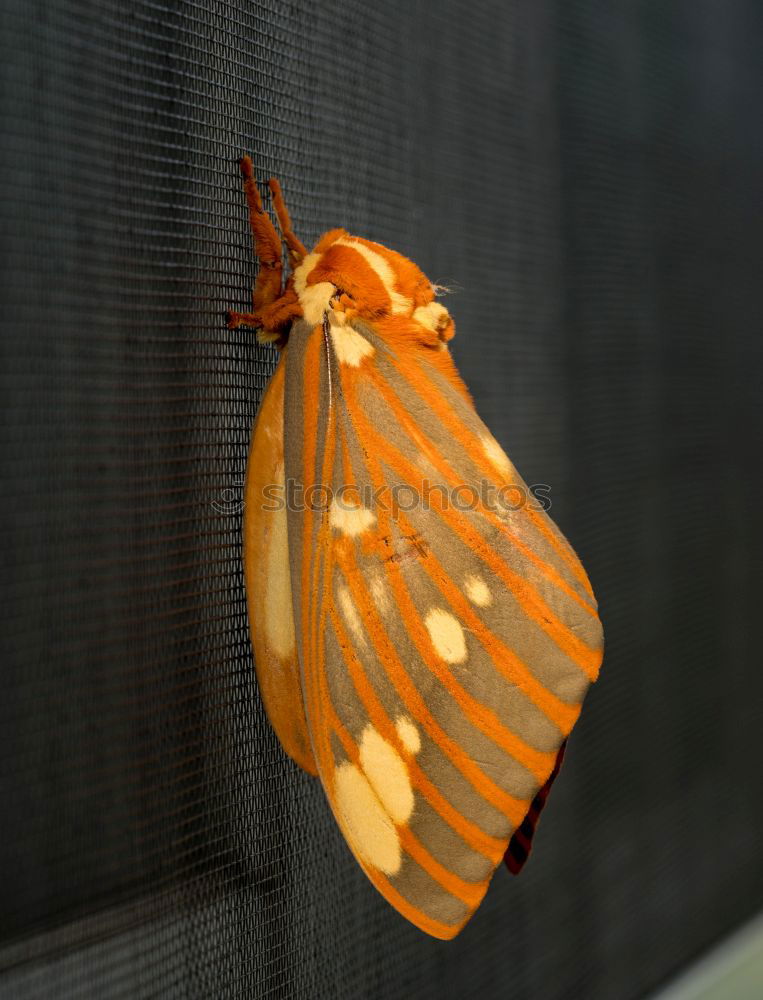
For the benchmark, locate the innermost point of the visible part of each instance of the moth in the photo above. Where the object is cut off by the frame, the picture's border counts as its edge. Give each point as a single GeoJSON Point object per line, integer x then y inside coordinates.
{"type": "Point", "coordinates": [423, 633]}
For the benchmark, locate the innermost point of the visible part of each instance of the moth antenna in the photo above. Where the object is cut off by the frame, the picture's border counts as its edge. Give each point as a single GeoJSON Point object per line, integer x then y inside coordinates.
{"type": "Point", "coordinates": [297, 250]}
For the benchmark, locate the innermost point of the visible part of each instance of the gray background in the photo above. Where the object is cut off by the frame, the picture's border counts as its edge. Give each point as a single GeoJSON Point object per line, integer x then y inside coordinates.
{"type": "Point", "coordinates": [587, 175]}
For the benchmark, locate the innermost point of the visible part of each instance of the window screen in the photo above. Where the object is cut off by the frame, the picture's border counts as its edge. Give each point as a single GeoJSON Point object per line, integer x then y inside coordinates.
{"type": "Point", "coordinates": [586, 175]}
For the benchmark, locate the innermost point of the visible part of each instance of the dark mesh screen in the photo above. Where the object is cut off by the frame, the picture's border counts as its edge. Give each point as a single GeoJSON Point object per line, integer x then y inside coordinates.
{"type": "Point", "coordinates": [588, 174]}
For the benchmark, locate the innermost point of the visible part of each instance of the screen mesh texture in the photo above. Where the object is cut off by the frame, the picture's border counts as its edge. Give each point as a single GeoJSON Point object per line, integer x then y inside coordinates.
{"type": "Point", "coordinates": [586, 175]}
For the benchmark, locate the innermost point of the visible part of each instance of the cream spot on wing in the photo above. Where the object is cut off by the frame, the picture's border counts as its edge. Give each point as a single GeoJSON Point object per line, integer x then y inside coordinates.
{"type": "Point", "coordinates": [408, 734]}
{"type": "Point", "coordinates": [386, 771]}
{"type": "Point", "coordinates": [497, 455]}
{"type": "Point", "coordinates": [447, 635]}
{"type": "Point", "coordinates": [367, 827]}
{"type": "Point", "coordinates": [279, 614]}
{"type": "Point", "coordinates": [350, 346]}
{"type": "Point", "coordinates": [350, 613]}
{"type": "Point", "coordinates": [400, 304]}
{"type": "Point", "coordinates": [380, 594]}
{"type": "Point", "coordinates": [478, 591]}
{"type": "Point", "coordinates": [350, 520]}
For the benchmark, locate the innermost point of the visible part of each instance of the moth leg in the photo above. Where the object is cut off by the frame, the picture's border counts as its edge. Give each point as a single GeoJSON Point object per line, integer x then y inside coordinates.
{"type": "Point", "coordinates": [272, 320]}
{"type": "Point", "coordinates": [296, 249]}
{"type": "Point", "coordinates": [265, 239]}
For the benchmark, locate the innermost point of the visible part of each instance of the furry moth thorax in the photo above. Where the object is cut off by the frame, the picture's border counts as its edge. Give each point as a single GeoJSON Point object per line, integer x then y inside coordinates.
{"type": "Point", "coordinates": [348, 277]}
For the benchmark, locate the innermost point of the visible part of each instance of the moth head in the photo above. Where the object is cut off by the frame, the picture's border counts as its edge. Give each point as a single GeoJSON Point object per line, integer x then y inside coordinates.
{"type": "Point", "coordinates": [350, 277]}
{"type": "Point", "coordinates": [344, 277]}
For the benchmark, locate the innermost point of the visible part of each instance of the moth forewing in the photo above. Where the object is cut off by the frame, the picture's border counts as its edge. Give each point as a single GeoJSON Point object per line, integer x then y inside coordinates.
{"type": "Point", "coordinates": [429, 658]}
{"type": "Point", "coordinates": [267, 574]}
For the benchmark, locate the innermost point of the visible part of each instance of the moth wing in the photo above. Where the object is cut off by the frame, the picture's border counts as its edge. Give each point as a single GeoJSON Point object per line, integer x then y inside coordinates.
{"type": "Point", "coordinates": [446, 643]}
{"type": "Point", "coordinates": [267, 578]}
{"type": "Point", "coordinates": [520, 844]}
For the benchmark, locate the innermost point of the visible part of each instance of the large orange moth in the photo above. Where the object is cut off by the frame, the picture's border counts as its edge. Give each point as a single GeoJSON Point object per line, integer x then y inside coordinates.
{"type": "Point", "coordinates": [424, 655]}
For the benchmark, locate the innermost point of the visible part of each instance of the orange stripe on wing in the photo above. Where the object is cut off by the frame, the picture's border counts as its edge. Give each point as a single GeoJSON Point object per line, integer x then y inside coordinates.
{"type": "Point", "coordinates": [493, 645]}
{"type": "Point", "coordinates": [436, 928]}
{"type": "Point", "coordinates": [310, 391]}
{"type": "Point", "coordinates": [469, 893]}
{"type": "Point", "coordinates": [470, 833]}
{"type": "Point", "coordinates": [480, 715]}
{"type": "Point", "coordinates": [556, 710]}
{"type": "Point", "coordinates": [484, 718]}
{"type": "Point", "coordinates": [475, 455]}
{"type": "Point", "coordinates": [531, 602]}
{"type": "Point", "coordinates": [473, 447]}
{"type": "Point", "coordinates": [512, 807]}
{"type": "Point", "coordinates": [313, 549]}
